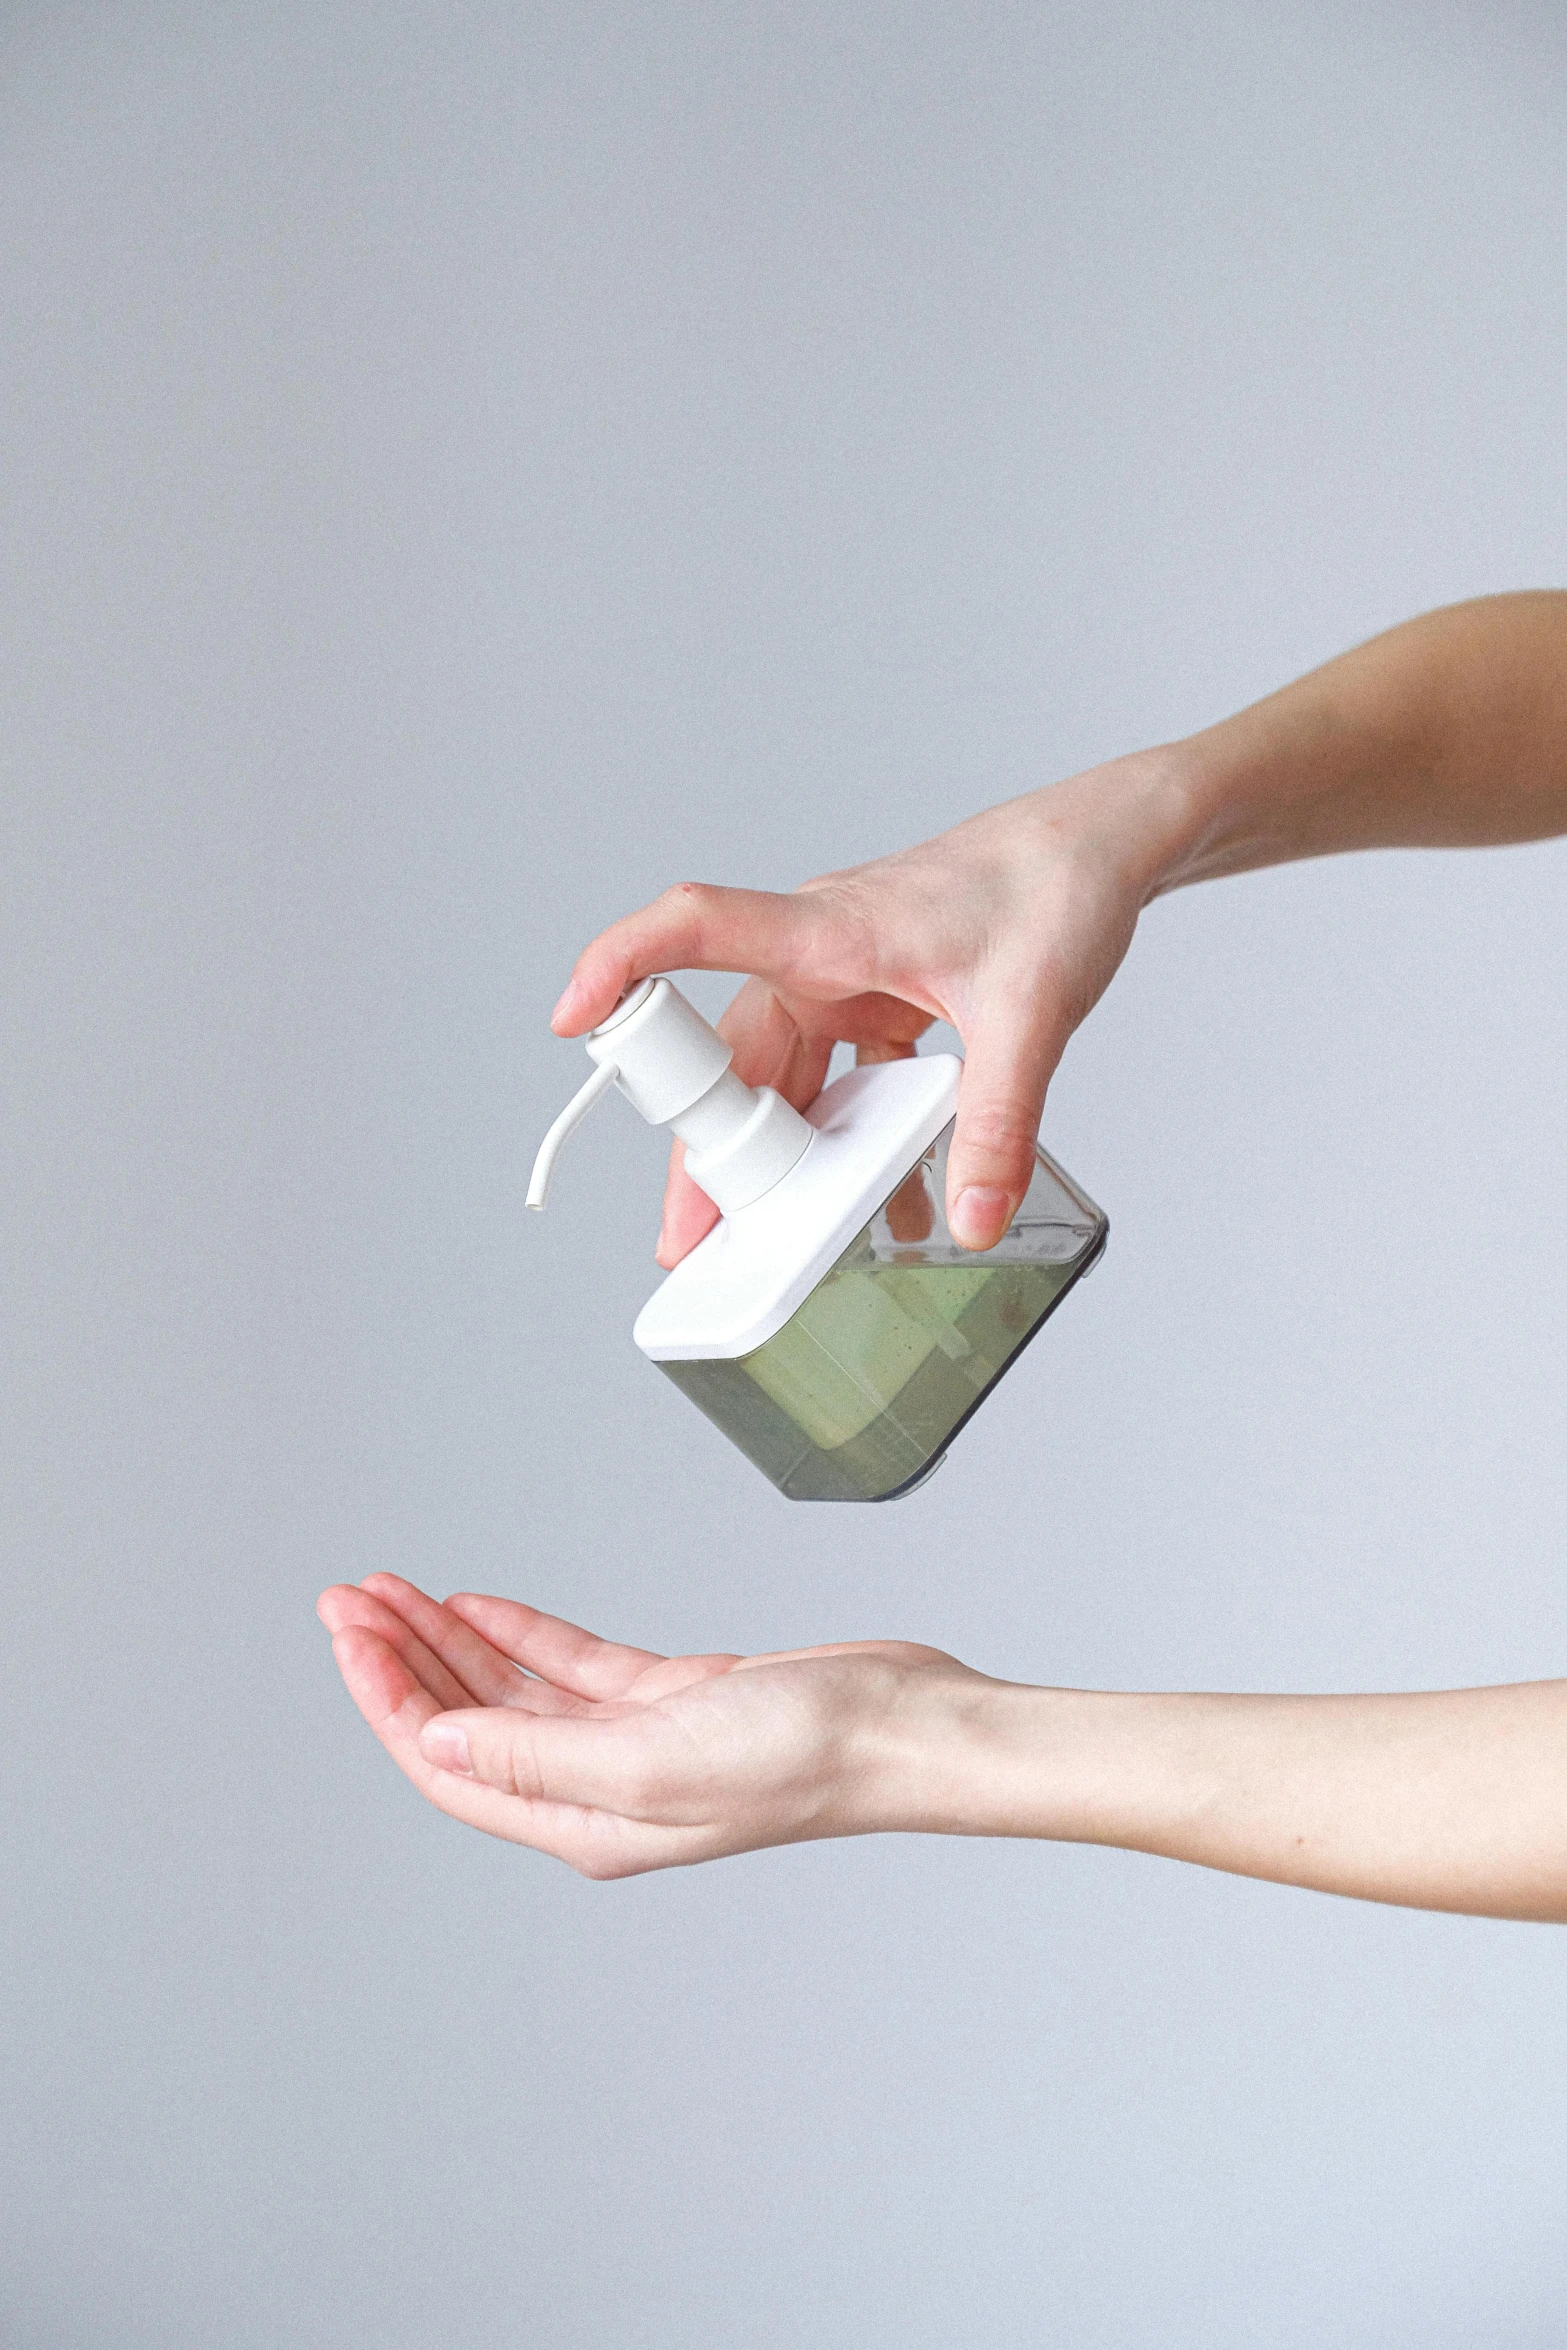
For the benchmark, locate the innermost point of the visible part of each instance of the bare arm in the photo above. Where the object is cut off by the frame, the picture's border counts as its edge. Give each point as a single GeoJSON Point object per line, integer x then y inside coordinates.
{"type": "Point", "coordinates": [618, 1760]}
{"type": "Point", "coordinates": [1454, 1799]}
{"type": "Point", "coordinates": [1450, 731]}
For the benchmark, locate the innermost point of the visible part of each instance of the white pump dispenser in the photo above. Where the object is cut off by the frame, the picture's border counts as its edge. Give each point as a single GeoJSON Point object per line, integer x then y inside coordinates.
{"type": "Point", "coordinates": [672, 1066]}
{"type": "Point", "coordinates": [830, 1324]}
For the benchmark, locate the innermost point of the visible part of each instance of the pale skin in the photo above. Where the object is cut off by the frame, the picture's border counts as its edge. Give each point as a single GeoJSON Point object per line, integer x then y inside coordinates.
{"type": "Point", "coordinates": [1448, 732]}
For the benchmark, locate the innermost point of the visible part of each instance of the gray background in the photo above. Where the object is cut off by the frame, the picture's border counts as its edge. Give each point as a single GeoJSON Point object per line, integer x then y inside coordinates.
{"type": "Point", "coordinates": [465, 467]}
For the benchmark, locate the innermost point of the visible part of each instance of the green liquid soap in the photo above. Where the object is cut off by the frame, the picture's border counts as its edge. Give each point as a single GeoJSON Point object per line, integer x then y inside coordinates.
{"type": "Point", "coordinates": [858, 1395]}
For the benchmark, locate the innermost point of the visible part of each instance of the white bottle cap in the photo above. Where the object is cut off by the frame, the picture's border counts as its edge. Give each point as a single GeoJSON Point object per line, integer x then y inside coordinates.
{"type": "Point", "coordinates": [673, 1067]}
{"type": "Point", "coordinates": [665, 1055]}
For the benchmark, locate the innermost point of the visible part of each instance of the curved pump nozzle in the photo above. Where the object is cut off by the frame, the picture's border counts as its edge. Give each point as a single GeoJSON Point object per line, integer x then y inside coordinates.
{"type": "Point", "coordinates": [570, 1119]}
{"type": "Point", "coordinates": [740, 1139]}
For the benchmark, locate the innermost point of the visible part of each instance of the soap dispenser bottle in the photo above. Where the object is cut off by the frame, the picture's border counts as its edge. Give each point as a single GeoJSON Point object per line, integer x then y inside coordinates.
{"type": "Point", "coordinates": [830, 1325]}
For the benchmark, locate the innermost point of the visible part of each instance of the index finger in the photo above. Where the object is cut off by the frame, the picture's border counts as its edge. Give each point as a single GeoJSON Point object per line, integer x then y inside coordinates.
{"type": "Point", "coordinates": [698, 926]}
{"type": "Point", "coordinates": [474, 1663]}
{"type": "Point", "coordinates": [553, 1649]}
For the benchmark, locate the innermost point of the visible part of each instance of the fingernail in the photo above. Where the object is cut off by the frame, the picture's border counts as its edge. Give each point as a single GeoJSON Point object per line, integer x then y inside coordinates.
{"type": "Point", "coordinates": [445, 1745]}
{"type": "Point", "coordinates": [978, 1215]}
{"type": "Point", "coordinates": [563, 1007]}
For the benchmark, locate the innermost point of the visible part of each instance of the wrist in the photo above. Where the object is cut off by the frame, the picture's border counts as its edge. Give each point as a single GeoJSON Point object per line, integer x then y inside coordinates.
{"type": "Point", "coordinates": [1221, 801]}
{"type": "Point", "coordinates": [1142, 817]}
{"type": "Point", "coordinates": [1295, 775]}
{"type": "Point", "coordinates": [958, 1754]}
{"type": "Point", "coordinates": [1045, 1762]}
{"type": "Point", "coordinates": [1257, 789]}
{"type": "Point", "coordinates": [964, 1755]}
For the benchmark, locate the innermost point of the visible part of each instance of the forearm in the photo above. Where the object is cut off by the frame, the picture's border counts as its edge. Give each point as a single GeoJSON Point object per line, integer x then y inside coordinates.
{"type": "Point", "coordinates": [1453, 1800]}
{"type": "Point", "coordinates": [1450, 731]}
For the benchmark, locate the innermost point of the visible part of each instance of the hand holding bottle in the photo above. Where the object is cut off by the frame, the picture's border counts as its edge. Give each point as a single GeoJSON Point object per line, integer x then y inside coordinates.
{"type": "Point", "coordinates": [1451, 730]}
{"type": "Point", "coordinates": [1009, 927]}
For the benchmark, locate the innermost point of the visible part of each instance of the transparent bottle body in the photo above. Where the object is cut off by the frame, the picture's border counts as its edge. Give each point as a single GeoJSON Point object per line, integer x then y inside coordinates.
{"type": "Point", "coordinates": [859, 1394]}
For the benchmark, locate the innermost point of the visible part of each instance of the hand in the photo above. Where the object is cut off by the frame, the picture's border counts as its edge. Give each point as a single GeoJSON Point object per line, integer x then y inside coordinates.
{"type": "Point", "coordinates": [1010, 926]}
{"type": "Point", "coordinates": [1449, 730]}
{"type": "Point", "coordinates": [617, 1760]}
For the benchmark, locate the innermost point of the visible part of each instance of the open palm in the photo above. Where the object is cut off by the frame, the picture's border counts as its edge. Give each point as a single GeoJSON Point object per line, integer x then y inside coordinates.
{"type": "Point", "coordinates": [617, 1759]}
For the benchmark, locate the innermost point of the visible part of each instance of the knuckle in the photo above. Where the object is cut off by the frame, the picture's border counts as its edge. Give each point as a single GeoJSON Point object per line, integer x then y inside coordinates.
{"type": "Point", "coordinates": [691, 901]}
{"type": "Point", "coordinates": [680, 916]}
{"type": "Point", "coordinates": [513, 1769]}
{"type": "Point", "coordinates": [602, 1854]}
{"type": "Point", "coordinates": [841, 942]}
{"type": "Point", "coordinates": [852, 907]}
{"type": "Point", "coordinates": [1005, 1128]}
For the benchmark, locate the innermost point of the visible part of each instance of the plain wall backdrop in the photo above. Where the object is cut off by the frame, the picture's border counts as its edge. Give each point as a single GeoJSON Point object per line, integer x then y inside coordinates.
{"type": "Point", "coordinates": [466, 466]}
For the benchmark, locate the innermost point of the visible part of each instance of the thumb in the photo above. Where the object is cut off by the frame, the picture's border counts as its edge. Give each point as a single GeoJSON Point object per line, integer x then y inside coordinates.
{"type": "Point", "coordinates": [1000, 1101]}
{"type": "Point", "coordinates": [544, 1758]}
{"type": "Point", "coordinates": [689, 1215]}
